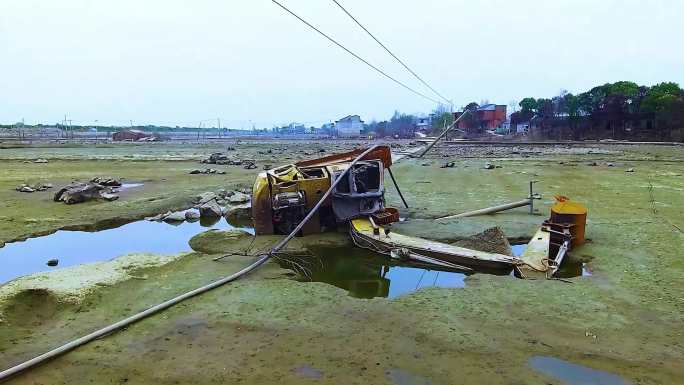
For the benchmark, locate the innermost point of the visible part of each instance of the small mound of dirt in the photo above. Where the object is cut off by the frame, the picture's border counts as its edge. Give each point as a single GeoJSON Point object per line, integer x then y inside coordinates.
{"type": "Point", "coordinates": [492, 240]}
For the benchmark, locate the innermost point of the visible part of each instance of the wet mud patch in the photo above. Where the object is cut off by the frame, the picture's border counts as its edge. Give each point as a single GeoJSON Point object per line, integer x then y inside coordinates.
{"type": "Point", "coordinates": [307, 371]}
{"type": "Point", "coordinates": [32, 308]}
{"type": "Point", "coordinates": [574, 374]}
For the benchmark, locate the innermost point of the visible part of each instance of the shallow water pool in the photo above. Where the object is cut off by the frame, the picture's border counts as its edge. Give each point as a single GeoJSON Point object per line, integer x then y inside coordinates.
{"type": "Point", "coordinates": [77, 247]}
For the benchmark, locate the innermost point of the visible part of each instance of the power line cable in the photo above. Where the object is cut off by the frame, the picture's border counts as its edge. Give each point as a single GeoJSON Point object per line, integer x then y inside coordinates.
{"type": "Point", "coordinates": [355, 55]}
{"type": "Point", "coordinates": [390, 52]}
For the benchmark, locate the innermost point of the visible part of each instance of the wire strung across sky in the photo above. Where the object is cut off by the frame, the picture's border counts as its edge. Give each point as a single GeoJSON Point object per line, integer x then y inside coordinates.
{"type": "Point", "coordinates": [355, 55]}
{"type": "Point", "coordinates": [390, 52]}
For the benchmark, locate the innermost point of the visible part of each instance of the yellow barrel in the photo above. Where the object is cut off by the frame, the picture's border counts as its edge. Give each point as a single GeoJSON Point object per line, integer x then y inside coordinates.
{"type": "Point", "coordinates": [569, 212]}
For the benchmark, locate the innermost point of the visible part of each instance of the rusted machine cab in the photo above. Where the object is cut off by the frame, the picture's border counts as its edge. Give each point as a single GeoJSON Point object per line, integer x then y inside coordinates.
{"type": "Point", "coordinates": [284, 195]}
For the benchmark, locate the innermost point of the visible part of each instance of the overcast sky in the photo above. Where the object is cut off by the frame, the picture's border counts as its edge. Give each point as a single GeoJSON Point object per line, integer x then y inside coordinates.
{"type": "Point", "coordinates": [177, 62]}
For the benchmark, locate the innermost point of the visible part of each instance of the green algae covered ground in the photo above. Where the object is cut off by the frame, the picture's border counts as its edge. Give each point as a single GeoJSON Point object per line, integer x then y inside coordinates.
{"type": "Point", "coordinates": [626, 318]}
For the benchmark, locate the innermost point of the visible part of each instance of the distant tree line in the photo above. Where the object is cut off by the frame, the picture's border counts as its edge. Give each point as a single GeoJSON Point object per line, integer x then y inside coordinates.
{"type": "Point", "coordinates": [620, 110]}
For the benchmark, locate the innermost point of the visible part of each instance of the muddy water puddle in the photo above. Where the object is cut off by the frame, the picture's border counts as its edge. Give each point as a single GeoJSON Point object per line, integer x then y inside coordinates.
{"type": "Point", "coordinates": [78, 247]}
{"type": "Point", "coordinates": [573, 374]}
{"type": "Point", "coordinates": [365, 274]}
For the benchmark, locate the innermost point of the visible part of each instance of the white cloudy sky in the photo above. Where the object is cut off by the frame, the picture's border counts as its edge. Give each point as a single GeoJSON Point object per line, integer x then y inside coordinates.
{"type": "Point", "coordinates": [181, 61]}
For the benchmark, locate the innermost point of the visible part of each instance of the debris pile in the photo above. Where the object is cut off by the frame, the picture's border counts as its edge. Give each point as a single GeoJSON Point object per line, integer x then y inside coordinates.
{"type": "Point", "coordinates": [222, 159]}
{"type": "Point", "coordinates": [206, 171]}
{"type": "Point", "coordinates": [79, 192]}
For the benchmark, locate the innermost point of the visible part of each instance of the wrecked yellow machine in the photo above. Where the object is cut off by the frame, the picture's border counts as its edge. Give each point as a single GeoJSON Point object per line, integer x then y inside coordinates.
{"type": "Point", "coordinates": [283, 196]}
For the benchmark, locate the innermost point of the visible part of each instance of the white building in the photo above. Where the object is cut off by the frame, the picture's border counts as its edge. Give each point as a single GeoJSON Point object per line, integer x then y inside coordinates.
{"type": "Point", "coordinates": [349, 126]}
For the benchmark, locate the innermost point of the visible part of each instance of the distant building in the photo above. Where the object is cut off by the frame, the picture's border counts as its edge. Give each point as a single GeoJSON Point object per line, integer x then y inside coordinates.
{"type": "Point", "coordinates": [423, 125]}
{"type": "Point", "coordinates": [349, 126]}
{"type": "Point", "coordinates": [130, 135]}
{"type": "Point", "coordinates": [487, 117]}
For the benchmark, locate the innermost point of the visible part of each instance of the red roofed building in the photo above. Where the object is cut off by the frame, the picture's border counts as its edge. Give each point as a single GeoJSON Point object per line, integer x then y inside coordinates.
{"type": "Point", "coordinates": [486, 117]}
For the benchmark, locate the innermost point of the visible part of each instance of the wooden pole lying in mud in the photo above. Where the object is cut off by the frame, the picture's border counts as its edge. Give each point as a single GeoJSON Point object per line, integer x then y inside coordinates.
{"type": "Point", "coordinates": [5, 374]}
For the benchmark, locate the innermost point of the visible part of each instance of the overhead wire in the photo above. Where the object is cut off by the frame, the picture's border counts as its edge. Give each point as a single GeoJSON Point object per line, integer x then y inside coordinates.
{"type": "Point", "coordinates": [391, 53]}
{"type": "Point", "coordinates": [355, 55]}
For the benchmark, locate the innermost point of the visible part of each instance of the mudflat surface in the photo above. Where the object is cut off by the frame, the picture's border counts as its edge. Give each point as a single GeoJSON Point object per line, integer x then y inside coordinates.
{"type": "Point", "coordinates": [624, 321]}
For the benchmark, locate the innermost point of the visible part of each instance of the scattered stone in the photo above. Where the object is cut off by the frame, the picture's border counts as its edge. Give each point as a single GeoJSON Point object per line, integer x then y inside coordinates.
{"type": "Point", "coordinates": [36, 187]}
{"type": "Point", "coordinates": [53, 262]}
{"type": "Point", "coordinates": [448, 165]}
{"type": "Point", "coordinates": [630, 170]}
{"type": "Point", "coordinates": [109, 196]}
{"type": "Point", "coordinates": [192, 216]}
{"type": "Point", "coordinates": [109, 182]}
{"type": "Point", "coordinates": [210, 209]}
{"type": "Point", "coordinates": [239, 197]}
{"type": "Point", "coordinates": [40, 160]}
{"type": "Point", "coordinates": [236, 212]}
{"type": "Point", "coordinates": [206, 197]}
{"type": "Point", "coordinates": [206, 171]}
{"type": "Point", "coordinates": [216, 157]}
{"type": "Point", "coordinates": [158, 218]}
{"type": "Point", "coordinates": [425, 164]}
{"type": "Point", "coordinates": [250, 166]}
{"type": "Point", "coordinates": [489, 166]}
{"type": "Point", "coordinates": [177, 216]}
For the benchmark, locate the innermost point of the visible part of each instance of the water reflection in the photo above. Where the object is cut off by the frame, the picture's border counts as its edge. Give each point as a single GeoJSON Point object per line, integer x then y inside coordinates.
{"type": "Point", "coordinates": [365, 274]}
{"type": "Point", "coordinates": [78, 247]}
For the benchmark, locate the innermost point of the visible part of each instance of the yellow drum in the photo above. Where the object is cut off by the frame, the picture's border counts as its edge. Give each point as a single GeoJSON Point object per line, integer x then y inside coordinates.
{"type": "Point", "coordinates": [568, 212]}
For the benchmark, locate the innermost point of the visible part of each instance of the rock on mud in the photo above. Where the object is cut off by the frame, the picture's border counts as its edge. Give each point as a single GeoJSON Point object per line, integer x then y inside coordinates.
{"type": "Point", "coordinates": [192, 216]}
{"type": "Point", "coordinates": [178, 216]}
{"type": "Point", "coordinates": [32, 188]}
{"type": "Point", "coordinates": [106, 181]}
{"type": "Point", "coordinates": [78, 192]}
{"type": "Point", "coordinates": [239, 197]}
{"type": "Point", "coordinates": [237, 212]}
{"type": "Point", "coordinates": [210, 209]}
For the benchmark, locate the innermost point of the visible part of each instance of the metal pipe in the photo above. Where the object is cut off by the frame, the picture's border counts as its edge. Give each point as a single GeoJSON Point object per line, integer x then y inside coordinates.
{"type": "Point", "coordinates": [5, 374]}
{"type": "Point", "coordinates": [397, 187]}
{"type": "Point", "coordinates": [490, 210]}
{"type": "Point", "coordinates": [453, 125]}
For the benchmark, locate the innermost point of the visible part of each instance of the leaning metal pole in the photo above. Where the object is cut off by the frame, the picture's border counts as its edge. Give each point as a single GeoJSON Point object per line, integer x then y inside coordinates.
{"type": "Point", "coordinates": [443, 134]}
{"type": "Point", "coordinates": [5, 374]}
{"type": "Point", "coordinates": [396, 185]}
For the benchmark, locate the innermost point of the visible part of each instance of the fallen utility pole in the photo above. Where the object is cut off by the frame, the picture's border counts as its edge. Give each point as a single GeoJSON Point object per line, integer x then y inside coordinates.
{"type": "Point", "coordinates": [495, 209]}
{"type": "Point", "coordinates": [4, 375]}
{"type": "Point", "coordinates": [443, 134]}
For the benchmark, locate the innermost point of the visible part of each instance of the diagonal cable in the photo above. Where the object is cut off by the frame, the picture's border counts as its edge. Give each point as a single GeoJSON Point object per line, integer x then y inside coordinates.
{"type": "Point", "coordinates": [390, 52]}
{"type": "Point", "coordinates": [356, 56]}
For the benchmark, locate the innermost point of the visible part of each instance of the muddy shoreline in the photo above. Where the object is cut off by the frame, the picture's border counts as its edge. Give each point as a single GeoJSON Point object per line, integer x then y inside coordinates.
{"type": "Point", "coordinates": [270, 328]}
